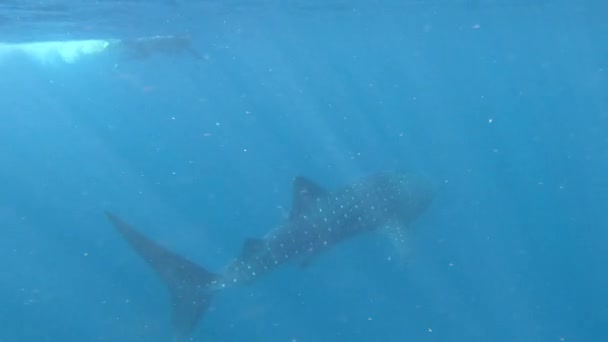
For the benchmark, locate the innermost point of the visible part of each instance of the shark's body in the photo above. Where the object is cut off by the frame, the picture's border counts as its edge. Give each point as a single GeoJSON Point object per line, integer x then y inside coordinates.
{"type": "Point", "coordinates": [318, 221]}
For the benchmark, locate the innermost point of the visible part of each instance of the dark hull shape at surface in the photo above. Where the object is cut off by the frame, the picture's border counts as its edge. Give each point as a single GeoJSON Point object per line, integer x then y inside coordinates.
{"type": "Point", "coordinates": [318, 221]}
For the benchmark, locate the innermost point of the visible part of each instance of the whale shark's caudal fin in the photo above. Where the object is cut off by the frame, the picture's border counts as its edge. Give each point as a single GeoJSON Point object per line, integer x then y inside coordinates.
{"type": "Point", "coordinates": [188, 283]}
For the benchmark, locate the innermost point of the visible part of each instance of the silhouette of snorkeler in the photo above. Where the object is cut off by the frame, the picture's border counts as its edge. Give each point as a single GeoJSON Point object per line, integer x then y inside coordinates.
{"type": "Point", "coordinates": [148, 46]}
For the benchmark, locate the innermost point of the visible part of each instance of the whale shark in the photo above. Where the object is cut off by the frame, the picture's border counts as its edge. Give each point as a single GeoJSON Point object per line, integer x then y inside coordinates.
{"type": "Point", "coordinates": [318, 221]}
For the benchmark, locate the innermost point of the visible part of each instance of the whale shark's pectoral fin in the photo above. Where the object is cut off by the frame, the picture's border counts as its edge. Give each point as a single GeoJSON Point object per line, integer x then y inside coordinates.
{"type": "Point", "coordinates": [305, 192]}
{"type": "Point", "coordinates": [188, 283]}
{"type": "Point", "coordinates": [398, 236]}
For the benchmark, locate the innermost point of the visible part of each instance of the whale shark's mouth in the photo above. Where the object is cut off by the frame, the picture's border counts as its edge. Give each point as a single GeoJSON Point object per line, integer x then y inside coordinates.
{"type": "Point", "coordinates": [46, 52]}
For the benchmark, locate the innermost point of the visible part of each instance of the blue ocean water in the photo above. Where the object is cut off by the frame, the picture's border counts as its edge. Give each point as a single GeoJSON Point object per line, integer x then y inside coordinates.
{"type": "Point", "coordinates": [504, 104]}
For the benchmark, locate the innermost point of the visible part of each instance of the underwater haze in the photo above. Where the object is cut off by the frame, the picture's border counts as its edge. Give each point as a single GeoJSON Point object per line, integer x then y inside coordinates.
{"type": "Point", "coordinates": [190, 120]}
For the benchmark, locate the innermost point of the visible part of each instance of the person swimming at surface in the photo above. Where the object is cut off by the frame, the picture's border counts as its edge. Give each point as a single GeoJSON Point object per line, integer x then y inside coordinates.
{"type": "Point", "coordinates": [147, 46]}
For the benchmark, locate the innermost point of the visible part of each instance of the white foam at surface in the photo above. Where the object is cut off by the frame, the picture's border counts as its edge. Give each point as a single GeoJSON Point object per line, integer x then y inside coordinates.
{"type": "Point", "coordinates": [53, 51]}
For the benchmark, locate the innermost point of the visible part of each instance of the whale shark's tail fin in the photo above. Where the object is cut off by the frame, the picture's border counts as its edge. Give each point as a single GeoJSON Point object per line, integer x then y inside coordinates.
{"type": "Point", "coordinates": [189, 284]}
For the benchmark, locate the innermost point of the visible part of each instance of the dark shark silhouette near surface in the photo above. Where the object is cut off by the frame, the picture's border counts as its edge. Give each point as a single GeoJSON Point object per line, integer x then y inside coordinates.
{"type": "Point", "coordinates": [318, 221]}
{"type": "Point", "coordinates": [145, 47]}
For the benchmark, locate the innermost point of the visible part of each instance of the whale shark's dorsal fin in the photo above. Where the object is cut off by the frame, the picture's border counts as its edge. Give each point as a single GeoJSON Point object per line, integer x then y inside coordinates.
{"type": "Point", "coordinates": [305, 192]}
{"type": "Point", "coordinates": [187, 282]}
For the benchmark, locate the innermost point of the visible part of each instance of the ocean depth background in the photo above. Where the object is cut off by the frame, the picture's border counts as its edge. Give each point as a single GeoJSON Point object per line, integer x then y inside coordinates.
{"type": "Point", "coordinates": [504, 104]}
